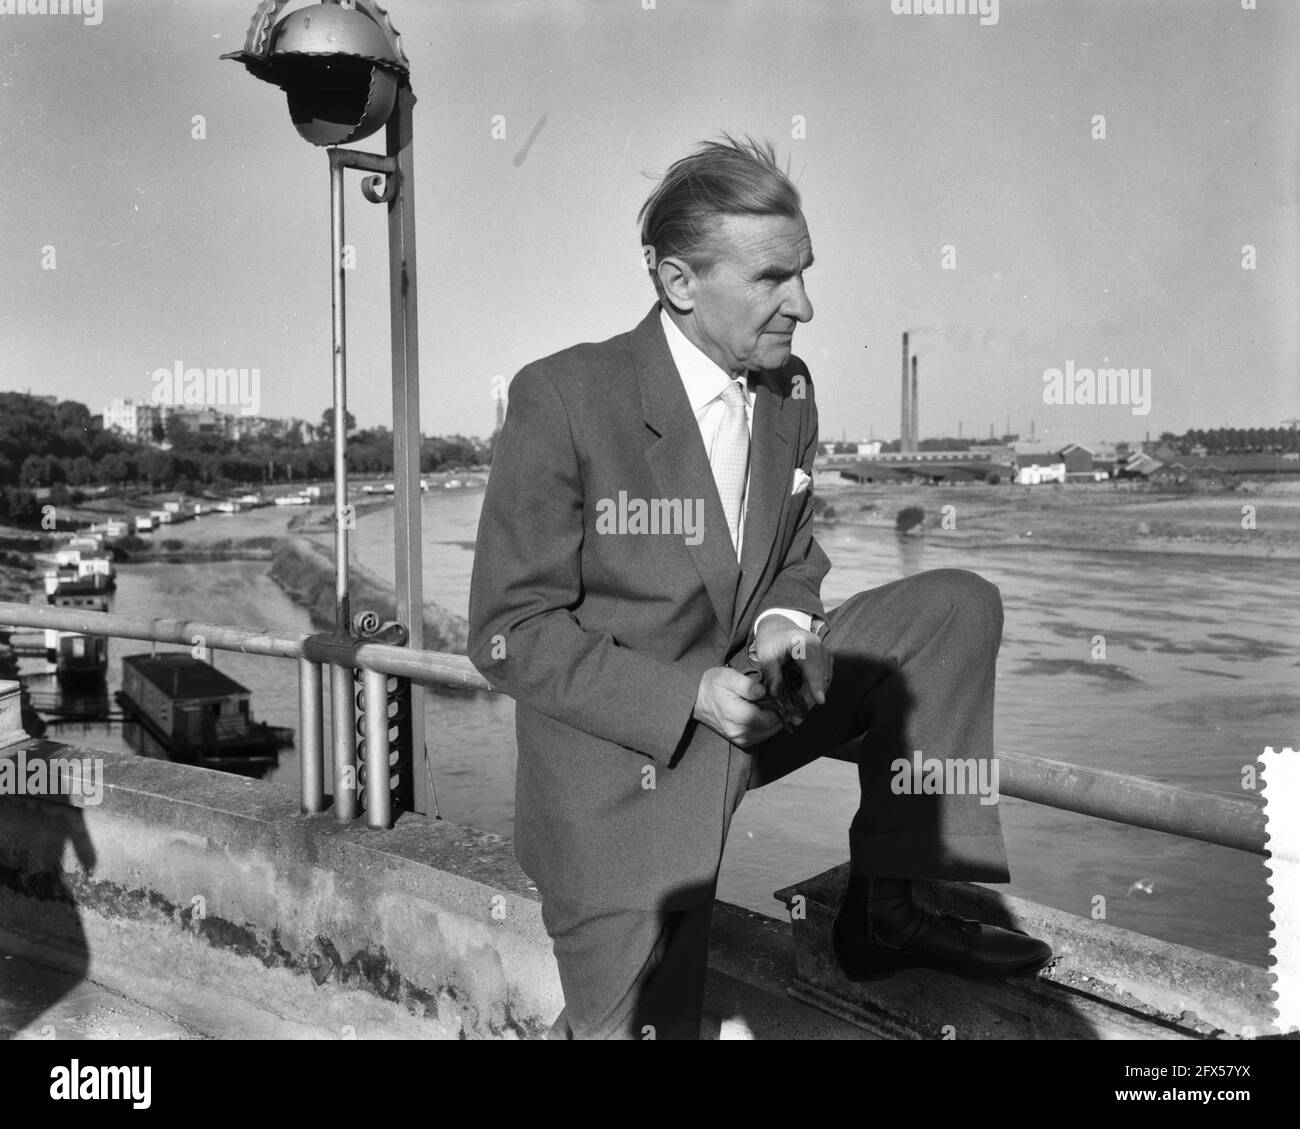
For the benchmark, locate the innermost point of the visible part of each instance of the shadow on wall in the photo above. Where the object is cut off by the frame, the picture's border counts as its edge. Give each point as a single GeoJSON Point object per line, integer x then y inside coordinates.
{"type": "Point", "coordinates": [36, 877]}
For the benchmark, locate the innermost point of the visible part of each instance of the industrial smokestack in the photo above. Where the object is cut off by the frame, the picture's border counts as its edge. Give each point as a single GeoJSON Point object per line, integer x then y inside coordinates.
{"type": "Point", "coordinates": [916, 415]}
{"type": "Point", "coordinates": [904, 430]}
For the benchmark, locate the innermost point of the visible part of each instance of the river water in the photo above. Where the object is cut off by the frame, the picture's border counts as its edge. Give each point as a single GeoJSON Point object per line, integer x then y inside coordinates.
{"type": "Point", "coordinates": [1199, 674]}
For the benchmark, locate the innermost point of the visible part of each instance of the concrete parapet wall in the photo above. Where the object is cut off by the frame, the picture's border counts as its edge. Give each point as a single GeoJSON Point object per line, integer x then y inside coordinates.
{"type": "Point", "coordinates": [209, 898]}
{"type": "Point", "coordinates": [183, 878]}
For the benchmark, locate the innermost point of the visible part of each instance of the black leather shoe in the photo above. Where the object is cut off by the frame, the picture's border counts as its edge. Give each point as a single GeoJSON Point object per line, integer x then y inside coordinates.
{"type": "Point", "coordinates": [949, 943]}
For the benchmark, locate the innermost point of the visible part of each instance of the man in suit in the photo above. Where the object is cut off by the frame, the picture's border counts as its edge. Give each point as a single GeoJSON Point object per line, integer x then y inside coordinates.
{"type": "Point", "coordinates": [647, 587]}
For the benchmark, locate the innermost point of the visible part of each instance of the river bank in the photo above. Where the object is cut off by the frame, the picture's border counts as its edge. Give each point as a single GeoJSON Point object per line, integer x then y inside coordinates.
{"type": "Point", "coordinates": [304, 570]}
{"type": "Point", "coordinates": [1256, 521]}
{"type": "Point", "coordinates": [19, 575]}
{"type": "Point", "coordinates": [297, 546]}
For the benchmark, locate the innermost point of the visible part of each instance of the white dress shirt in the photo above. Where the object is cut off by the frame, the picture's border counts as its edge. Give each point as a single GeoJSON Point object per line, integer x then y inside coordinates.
{"type": "Point", "coordinates": [705, 381]}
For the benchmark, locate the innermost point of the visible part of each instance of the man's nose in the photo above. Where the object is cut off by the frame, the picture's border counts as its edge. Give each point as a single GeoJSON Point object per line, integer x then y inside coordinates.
{"type": "Point", "coordinates": [796, 304]}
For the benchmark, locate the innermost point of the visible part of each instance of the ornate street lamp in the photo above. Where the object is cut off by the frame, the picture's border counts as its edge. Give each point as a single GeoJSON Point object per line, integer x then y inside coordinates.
{"type": "Point", "coordinates": [342, 67]}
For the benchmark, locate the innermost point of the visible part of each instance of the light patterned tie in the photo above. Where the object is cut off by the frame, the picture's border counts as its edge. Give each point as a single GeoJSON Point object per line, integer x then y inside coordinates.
{"type": "Point", "coordinates": [731, 459]}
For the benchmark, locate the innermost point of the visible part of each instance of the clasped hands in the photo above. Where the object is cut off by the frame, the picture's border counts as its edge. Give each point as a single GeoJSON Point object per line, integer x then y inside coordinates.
{"type": "Point", "coordinates": [794, 673]}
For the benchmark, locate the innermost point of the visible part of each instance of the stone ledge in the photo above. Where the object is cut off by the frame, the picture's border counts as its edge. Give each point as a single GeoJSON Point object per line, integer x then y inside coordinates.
{"type": "Point", "coordinates": [1103, 982]}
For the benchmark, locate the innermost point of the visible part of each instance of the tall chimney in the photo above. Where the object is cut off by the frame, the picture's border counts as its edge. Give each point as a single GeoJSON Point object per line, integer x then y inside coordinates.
{"type": "Point", "coordinates": [904, 431]}
{"type": "Point", "coordinates": [916, 416]}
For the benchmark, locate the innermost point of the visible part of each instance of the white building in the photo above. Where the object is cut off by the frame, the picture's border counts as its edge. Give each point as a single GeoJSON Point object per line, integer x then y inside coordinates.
{"type": "Point", "coordinates": [1034, 470]}
{"type": "Point", "coordinates": [132, 419]}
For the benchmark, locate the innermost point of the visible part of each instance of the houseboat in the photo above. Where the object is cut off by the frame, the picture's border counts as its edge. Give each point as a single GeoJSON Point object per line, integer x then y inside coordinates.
{"type": "Point", "coordinates": [80, 659]}
{"type": "Point", "coordinates": [87, 601]}
{"type": "Point", "coordinates": [79, 573]}
{"type": "Point", "coordinates": [110, 531]}
{"type": "Point", "coordinates": [200, 715]}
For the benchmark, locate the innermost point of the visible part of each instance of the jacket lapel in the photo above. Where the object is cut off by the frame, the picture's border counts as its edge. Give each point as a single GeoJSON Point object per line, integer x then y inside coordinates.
{"type": "Point", "coordinates": [769, 483]}
{"type": "Point", "coordinates": [681, 465]}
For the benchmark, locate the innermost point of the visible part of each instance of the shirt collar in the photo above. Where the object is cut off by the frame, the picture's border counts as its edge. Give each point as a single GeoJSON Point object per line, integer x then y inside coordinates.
{"type": "Point", "coordinates": [703, 379]}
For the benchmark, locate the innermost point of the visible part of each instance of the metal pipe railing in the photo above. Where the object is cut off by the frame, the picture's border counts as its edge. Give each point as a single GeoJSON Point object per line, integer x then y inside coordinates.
{"type": "Point", "coordinates": [311, 736]}
{"type": "Point", "coordinates": [1227, 821]}
{"type": "Point", "coordinates": [379, 798]}
{"type": "Point", "coordinates": [430, 668]}
{"type": "Point", "coordinates": [312, 653]}
{"type": "Point", "coordinates": [343, 712]}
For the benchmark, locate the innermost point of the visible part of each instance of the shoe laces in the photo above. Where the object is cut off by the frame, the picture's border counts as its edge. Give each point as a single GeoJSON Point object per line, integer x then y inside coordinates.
{"type": "Point", "coordinates": [965, 924]}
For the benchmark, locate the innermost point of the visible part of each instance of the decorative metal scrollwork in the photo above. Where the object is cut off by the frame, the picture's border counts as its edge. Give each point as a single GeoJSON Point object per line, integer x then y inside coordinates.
{"type": "Point", "coordinates": [368, 626]}
{"type": "Point", "coordinates": [380, 188]}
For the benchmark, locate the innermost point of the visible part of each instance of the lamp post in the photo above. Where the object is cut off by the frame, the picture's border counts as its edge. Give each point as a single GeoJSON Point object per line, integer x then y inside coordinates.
{"type": "Point", "coordinates": [346, 76]}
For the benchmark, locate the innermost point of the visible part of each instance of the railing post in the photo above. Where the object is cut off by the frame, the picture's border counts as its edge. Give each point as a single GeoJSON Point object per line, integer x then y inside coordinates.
{"type": "Point", "coordinates": [338, 308]}
{"type": "Point", "coordinates": [379, 805]}
{"type": "Point", "coordinates": [311, 737]}
{"type": "Point", "coordinates": [407, 539]}
{"type": "Point", "coordinates": [343, 710]}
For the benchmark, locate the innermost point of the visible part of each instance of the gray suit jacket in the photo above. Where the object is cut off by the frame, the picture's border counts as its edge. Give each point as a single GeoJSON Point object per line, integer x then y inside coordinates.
{"type": "Point", "coordinates": [601, 634]}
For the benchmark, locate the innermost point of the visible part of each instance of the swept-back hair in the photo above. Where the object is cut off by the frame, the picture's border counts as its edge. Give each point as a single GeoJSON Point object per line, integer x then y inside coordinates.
{"type": "Point", "coordinates": [720, 178]}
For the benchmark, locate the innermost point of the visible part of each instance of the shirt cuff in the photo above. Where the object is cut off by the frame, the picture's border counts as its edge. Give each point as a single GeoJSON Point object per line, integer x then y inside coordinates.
{"type": "Point", "coordinates": [801, 619]}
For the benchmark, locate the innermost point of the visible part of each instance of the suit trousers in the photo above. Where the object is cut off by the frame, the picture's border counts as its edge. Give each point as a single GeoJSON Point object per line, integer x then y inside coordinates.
{"type": "Point", "coordinates": [914, 670]}
{"type": "Point", "coordinates": [628, 974]}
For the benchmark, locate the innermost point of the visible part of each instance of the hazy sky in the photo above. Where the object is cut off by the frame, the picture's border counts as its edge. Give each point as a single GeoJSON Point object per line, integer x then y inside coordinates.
{"type": "Point", "coordinates": [921, 132]}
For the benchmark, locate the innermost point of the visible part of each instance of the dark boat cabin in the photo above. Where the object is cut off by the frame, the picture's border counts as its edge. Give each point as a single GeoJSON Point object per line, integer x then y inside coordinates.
{"type": "Point", "coordinates": [81, 656]}
{"type": "Point", "coordinates": [191, 702]}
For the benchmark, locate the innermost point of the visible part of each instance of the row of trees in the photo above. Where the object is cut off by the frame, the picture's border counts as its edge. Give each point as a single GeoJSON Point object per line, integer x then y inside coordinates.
{"type": "Point", "coordinates": [64, 448]}
{"type": "Point", "coordinates": [1236, 440]}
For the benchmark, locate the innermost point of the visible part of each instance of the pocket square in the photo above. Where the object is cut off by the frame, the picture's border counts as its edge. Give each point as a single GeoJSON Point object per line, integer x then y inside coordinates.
{"type": "Point", "coordinates": [801, 480]}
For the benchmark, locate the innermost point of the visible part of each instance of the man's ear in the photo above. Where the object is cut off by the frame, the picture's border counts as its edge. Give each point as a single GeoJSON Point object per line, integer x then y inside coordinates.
{"type": "Point", "coordinates": [678, 281]}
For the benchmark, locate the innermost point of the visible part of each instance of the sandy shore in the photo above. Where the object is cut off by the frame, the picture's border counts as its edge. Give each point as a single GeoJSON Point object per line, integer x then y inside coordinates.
{"type": "Point", "coordinates": [1261, 522]}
